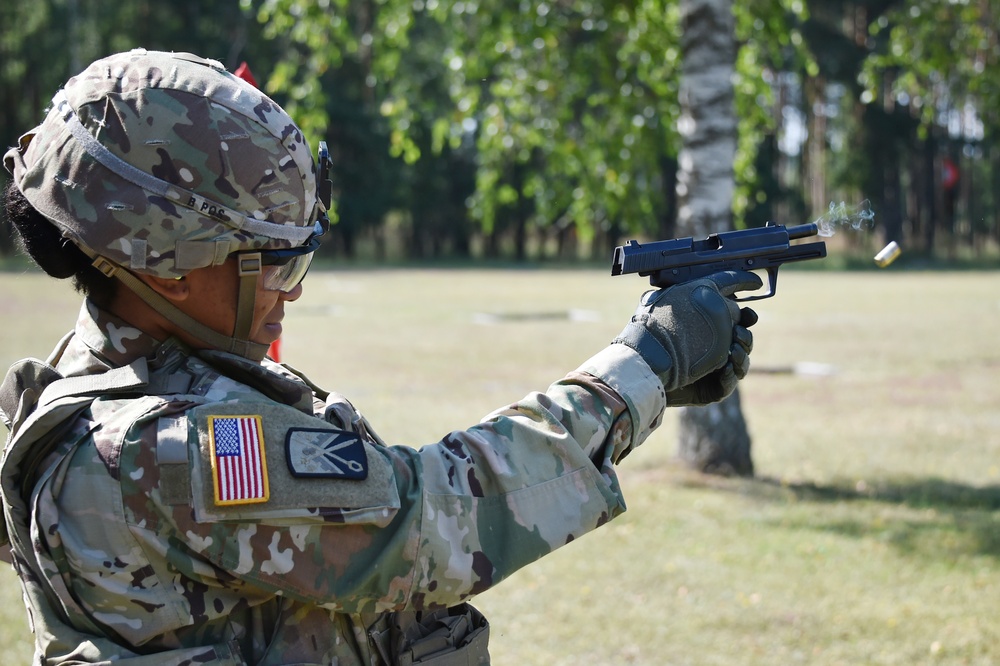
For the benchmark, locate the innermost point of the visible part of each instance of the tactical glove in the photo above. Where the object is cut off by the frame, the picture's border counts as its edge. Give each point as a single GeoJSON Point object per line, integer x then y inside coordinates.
{"type": "Point", "coordinates": [695, 337]}
{"type": "Point", "coordinates": [717, 385]}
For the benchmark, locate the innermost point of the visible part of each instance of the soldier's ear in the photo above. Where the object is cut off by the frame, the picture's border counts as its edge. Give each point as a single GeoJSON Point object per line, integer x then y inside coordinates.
{"type": "Point", "coordinates": [173, 289]}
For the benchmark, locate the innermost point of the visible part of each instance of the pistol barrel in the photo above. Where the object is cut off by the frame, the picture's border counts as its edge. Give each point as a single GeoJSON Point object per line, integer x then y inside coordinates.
{"type": "Point", "coordinates": [803, 231]}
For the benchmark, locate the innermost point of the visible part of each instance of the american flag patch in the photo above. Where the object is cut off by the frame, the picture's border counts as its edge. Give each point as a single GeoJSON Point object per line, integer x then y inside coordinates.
{"type": "Point", "coordinates": [239, 469]}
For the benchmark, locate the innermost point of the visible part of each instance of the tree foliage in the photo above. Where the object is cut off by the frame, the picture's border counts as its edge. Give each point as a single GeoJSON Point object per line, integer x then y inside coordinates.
{"type": "Point", "coordinates": [527, 128]}
{"type": "Point", "coordinates": [569, 108]}
{"type": "Point", "coordinates": [940, 56]}
{"type": "Point", "coordinates": [44, 42]}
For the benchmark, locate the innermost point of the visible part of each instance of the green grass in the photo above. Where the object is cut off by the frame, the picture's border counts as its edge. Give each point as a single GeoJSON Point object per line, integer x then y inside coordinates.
{"type": "Point", "coordinates": [871, 534]}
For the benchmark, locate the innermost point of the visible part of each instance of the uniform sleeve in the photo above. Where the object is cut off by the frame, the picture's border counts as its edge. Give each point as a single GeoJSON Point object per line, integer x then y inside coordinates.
{"type": "Point", "coordinates": [423, 528]}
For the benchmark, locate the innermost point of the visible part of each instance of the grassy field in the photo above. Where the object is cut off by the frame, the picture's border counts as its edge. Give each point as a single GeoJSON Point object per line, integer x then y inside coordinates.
{"type": "Point", "coordinates": [871, 534]}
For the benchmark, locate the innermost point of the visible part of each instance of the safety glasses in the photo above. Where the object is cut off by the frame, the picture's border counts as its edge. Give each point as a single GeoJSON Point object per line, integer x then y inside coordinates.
{"type": "Point", "coordinates": [283, 269]}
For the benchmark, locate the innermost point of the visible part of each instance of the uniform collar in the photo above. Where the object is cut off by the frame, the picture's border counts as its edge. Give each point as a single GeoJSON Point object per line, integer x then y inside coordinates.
{"type": "Point", "coordinates": [269, 378]}
{"type": "Point", "coordinates": [102, 340]}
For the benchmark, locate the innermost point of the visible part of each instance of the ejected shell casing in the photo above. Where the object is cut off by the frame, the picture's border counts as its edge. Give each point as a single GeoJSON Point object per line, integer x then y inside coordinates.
{"type": "Point", "coordinates": [888, 254]}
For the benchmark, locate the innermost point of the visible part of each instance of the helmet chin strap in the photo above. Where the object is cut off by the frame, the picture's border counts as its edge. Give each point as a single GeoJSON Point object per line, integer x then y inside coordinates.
{"type": "Point", "coordinates": [239, 343]}
{"type": "Point", "coordinates": [249, 267]}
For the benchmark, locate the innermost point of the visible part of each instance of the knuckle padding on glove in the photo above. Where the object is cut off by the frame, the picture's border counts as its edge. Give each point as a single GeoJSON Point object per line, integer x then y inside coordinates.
{"type": "Point", "coordinates": [704, 301]}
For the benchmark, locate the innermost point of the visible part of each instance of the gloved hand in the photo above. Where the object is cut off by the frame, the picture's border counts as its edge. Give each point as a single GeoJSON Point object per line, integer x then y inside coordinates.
{"type": "Point", "coordinates": [694, 337]}
{"type": "Point", "coordinates": [717, 385]}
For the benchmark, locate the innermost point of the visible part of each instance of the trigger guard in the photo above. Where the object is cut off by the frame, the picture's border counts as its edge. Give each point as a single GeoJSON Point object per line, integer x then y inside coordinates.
{"type": "Point", "coordinates": [772, 286]}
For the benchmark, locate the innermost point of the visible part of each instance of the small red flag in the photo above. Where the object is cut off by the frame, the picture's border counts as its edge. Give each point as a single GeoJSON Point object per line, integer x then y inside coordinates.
{"type": "Point", "coordinates": [243, 71]}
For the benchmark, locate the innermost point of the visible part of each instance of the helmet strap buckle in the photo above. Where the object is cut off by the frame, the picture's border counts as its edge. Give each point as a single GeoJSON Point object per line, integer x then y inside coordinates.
{"type": "Point", "coordinates": [105, 266]}
{"type": "Point", "coordinates": [249, 264]}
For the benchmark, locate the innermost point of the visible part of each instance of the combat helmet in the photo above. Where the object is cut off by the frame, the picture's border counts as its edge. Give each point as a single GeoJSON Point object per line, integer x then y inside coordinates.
{"type": "Point", "coordinates": [161, 163]}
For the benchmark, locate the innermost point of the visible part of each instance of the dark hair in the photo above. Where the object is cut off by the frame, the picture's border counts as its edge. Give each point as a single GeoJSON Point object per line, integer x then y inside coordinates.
{"type": "Point", "coordinates": [56, 255]}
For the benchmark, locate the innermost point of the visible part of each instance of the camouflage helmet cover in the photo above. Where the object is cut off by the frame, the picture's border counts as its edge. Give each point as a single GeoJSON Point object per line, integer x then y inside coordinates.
{"type": "Point", "coordinates": [165, 162]}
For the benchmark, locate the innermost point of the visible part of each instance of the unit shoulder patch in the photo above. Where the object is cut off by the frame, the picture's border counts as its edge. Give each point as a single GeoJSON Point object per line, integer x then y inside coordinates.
{"type": "Point", "coordinates": [312, 471]}
{"type": "Point", "coordinates": [325, 453]}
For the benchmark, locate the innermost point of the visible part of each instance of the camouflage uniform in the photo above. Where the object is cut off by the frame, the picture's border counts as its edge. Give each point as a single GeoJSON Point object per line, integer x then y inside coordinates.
{"type": "Point", "coordinates": [170, 506]}
{"type": "Point", "coordinates": [352, 538]}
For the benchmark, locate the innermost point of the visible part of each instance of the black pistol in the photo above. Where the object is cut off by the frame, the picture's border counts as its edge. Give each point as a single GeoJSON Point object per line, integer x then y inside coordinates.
{"type": "Point", "coordinates": [671, 262]}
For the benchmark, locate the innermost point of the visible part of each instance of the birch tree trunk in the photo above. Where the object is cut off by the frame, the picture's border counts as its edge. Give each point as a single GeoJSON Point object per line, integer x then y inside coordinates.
{"type": "Point", "coordinates": [713, 439]}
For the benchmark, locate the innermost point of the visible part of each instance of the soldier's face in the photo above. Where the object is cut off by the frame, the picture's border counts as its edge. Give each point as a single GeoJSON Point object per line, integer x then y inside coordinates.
{"type": "Point", "coordinates": [213, 301]}
{"type": "Point", "coordinates": [269, 310]}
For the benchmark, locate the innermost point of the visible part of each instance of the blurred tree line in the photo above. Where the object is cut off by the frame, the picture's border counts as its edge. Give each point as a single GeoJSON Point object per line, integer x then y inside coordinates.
{"type": "Point", "coordinates": [551, 129]}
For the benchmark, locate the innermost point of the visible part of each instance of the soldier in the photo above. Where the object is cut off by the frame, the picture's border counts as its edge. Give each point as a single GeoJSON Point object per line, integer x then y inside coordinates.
{"type": "Point", "coordinates": [171, 496]}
